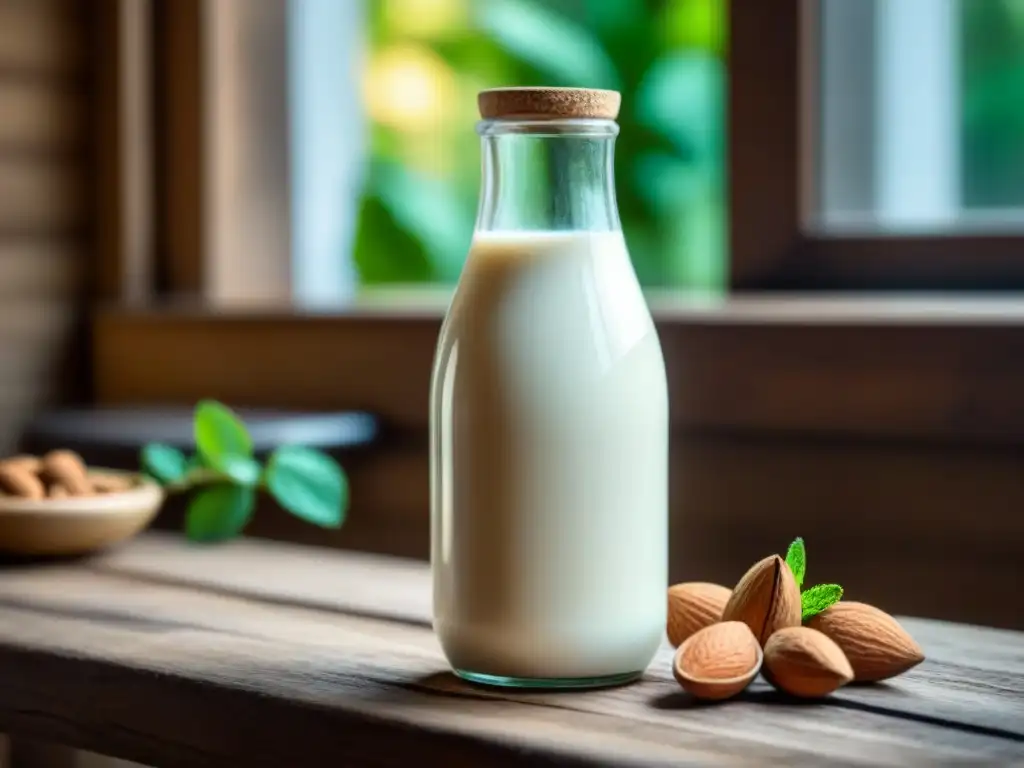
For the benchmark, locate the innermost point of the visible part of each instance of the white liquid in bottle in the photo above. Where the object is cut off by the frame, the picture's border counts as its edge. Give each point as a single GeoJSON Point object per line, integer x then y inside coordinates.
{"type": "Point", "coordinates": [550, 460]}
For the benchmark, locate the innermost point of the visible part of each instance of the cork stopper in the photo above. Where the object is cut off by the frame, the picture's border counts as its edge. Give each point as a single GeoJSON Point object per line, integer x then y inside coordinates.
{"type": "Point", "coordinates": [548, 103]}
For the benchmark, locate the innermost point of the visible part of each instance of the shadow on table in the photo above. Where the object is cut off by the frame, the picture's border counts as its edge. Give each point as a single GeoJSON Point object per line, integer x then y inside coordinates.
{"type": "Point", "coordinates": [18, 561]}
{"type": "Point", "coordinates": [449, 684]}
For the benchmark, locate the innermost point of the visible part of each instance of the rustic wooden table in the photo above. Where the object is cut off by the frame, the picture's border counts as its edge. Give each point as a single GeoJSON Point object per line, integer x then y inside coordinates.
{"type": "Point", "coordinates": [259, 654]}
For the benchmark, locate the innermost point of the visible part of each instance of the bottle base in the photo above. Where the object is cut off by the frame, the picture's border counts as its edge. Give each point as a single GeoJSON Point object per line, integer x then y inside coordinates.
{"type": "Point", "coordinates": [548, 683]}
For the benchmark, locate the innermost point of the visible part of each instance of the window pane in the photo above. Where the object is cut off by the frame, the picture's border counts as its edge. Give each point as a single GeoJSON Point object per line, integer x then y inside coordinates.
{"type": "Point", "coordinates": [423, 63]}
{"type": "Point", "coordinates": [921, 116]}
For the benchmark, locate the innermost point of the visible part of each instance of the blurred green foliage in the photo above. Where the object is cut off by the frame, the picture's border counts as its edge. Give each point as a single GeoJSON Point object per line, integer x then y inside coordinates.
{"type": "Point", "coordinates": [992, 136]}
{"type": "Point", "coordinates": [430, 57]}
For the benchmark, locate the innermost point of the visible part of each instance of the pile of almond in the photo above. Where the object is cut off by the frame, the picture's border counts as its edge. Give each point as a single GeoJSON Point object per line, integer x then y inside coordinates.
{"type": "Point", "coordinates": [724, 638]}
{"type": "Point", "coordinates": [58, 474]}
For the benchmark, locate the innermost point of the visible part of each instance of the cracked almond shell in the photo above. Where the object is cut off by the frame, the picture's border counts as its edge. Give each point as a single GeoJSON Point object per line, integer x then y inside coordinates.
{"type": "Point", "coordinates": [766, 599]}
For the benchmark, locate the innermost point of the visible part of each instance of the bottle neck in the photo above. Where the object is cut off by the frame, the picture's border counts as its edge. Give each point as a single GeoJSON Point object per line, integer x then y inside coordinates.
{"type": "Point", "coordinates": [548, 175]}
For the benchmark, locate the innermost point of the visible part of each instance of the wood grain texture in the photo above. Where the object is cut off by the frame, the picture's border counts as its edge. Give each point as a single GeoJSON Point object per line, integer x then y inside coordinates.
{"type": "Point", "coordinates": [764, 138]}
{"type": "Point", "coordinates": [247, 163]}
{"type": "Point", "coordinates": [881, 369]}
{"type": "Point", "coordinates": [41, 117]}
{"type": "Point", "coordinates": [881, 520]}
{"type": "Point", "coordinates": [42, 38]}
{"type": "Point", "coordinates": [123, 116]}
{"type": "Point", "coordinates": [884, 431]}
{"type": "Point", "coordinates": [43, 205]}
{"type": "Point", "coordinates": [37, 269]}
{"type": "Point", "coordinates": [180, 113]}
{"type": "Point", "coordinates": [223, 169]}
{"type": "Point", "coordinates": [41, 196]}
{"type": "Point", "coordinates": [204, 656]}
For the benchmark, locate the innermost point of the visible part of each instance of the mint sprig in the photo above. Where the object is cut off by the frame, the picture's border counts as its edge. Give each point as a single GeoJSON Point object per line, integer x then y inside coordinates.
{"type": "Point", "coordinates": [796, 559]}
{"type": "Point", "coordinates": [817, 598]}
{"type": "Point", "coordinates": [224, 477]}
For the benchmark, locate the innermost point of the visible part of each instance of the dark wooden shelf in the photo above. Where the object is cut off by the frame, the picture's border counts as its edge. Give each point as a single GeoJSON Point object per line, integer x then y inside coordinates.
{"type": "Point", "coordinates": [256, 653]}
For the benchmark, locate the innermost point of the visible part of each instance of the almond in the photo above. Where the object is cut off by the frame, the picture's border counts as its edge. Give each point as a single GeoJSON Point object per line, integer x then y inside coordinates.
{"type": "Point", "coordinates": [68, 469]}
{"type": "Point", "coordinates": [103, 482]}
{"type": "Point", "coordinates": [766, 599]}
{"type": "Point", "coordinates": [803, 662]}
{"type": "Point", "coordinates": [876, 645]}
{"type": "Point", "coordinates": [24, 462]}
{"type": "Point", "coordinates": [692, 606]}
{"type": "Point", "coordinates": [21, 482]}
{"type": "Point", "coordinates": [57, 491]}
{"type": "Point", "coordinates": [719, 661]}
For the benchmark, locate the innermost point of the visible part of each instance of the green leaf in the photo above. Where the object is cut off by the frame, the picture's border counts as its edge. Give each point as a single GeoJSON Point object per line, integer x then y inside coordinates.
{"type": "Point", "coordinates": [244, 470]}
{"type": "Point", "coordinates": [796, 559]}
{"type": "Point", "coordinates": [696, 257]}
{"type": "Point", "coordinates": [615, 16]}
{"type": "Point", "coordinates": [219, 512]}
{"type": "Point", "coordinates": [681, 97]}
{"type": "Point", "coordinates": [384, 251]}
{"type": "Point", "coordinates": [309, 484]}
{"type": "Point", "coordinates": [430, 210]}
{"type": "Point", "coordinates": [667, 183]}
{"type": "Point", "coordinates": [220, 435]}
{"type": "Point", "coordinates": [165, 463]}
{"type": "Point", "coordinates": [817, 599]}
{"type": "Point", "coordinates": [563, 51]}
{"type": "Point", "coordinates": [695, 24]}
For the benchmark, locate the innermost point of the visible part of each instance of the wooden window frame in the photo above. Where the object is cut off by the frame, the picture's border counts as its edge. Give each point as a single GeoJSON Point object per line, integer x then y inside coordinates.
{"type": "Point", "coordinates": [772, 64]}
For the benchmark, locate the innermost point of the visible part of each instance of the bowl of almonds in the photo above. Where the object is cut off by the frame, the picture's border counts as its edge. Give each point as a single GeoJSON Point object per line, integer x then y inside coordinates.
{"type": "Point", "coordinates": [56, 505]}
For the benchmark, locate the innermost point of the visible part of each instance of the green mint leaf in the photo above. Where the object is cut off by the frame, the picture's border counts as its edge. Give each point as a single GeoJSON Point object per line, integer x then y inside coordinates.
{"type": "Point", "coordinates": [817, 599]}
{"type": "Point", "coordinates": [796, 559]}
{"type": "Point", "coordinates": [243, 470]}
{"type": "Point", "coordinates": [220, 434]}
{"type": "Point", "coordinates": [219, 512]}
{"type": "Point", "coordinates": [309, 484]}
{"type": "Point", "coordinates": [163, 462]}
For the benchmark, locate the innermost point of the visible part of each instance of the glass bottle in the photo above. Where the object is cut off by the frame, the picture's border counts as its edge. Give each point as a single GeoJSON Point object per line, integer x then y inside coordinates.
{"type": "Point", "coordinates": [549, 415]}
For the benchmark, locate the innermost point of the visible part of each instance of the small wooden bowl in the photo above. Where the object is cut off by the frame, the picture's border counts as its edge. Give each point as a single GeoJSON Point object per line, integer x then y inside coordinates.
{"type": "Point", "coordinates": [78, 524]}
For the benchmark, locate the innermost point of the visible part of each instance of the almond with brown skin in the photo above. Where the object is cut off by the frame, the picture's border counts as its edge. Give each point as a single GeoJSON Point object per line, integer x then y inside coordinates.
{"type": "Point", "coordinates": [68, 469]}
{"type": "Point", "coordinates": [876, 645]}
{"type": "Point", "coordinates": [57, 491]}
{"type": "Point", "coordinates": [766, 599]}
{"type": "Point", "coordinates": [692, 606]}
{"type": "Point", "coordinates": [109, 483]}
{"type": "Point", "coordinates": [25, 463]}
{"type": "Point", "coordinates": [803, 662]}
{"type": "Point", "coordinates": [718, 661]}
{"type": "Point", "coordinates": [21, 482]}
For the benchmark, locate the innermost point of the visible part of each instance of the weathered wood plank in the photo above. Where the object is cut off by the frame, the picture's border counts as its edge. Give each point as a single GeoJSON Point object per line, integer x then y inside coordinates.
{"type": "Point", "coordinates": [222, 668]}
{"type": "Point", "coordinates": [966, 665]}
{"type": "Point", "coordinates": [391, 588]}
{"type": "Point", "coordinates": [40, 117]}
{"type": "Point", "coordinates": [42, 38]}
{"type": "Point", "coordinates": [43, 95]}
{"type": "Point", "coordinates": [41, 196]}
{"type": "Point", "coordinates": [125, 157]}
{"type": "Point", "coordinates": [875, 368]}
{"type": "Point", "coordinates": [39, 268]}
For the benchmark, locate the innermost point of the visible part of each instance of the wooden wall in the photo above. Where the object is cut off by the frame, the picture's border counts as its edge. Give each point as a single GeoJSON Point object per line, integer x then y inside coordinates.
{"type": "Point", "coordinates": [846, 435]}
{"type": "Point", "coordinates": [44, 156]}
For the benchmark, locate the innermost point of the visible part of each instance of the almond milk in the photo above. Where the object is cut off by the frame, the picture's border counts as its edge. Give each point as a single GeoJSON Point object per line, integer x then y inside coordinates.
{"type": "Point", "coordinates": [549, 450]}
